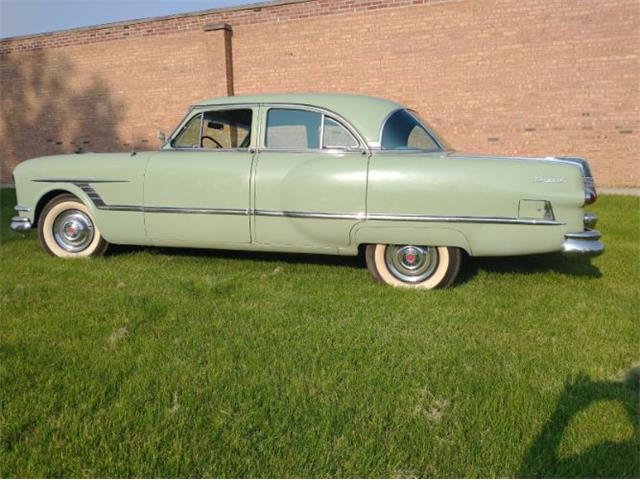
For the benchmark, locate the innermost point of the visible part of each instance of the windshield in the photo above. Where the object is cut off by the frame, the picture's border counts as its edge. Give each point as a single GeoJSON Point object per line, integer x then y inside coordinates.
{"type": "Point", "coordinates": [404, 131]}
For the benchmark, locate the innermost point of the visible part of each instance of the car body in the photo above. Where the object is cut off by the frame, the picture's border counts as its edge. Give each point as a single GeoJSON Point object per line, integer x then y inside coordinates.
{"type": "Point", "coordinates": [317, 173]}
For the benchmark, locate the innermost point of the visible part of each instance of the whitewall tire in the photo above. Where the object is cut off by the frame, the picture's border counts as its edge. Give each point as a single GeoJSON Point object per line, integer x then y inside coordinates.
{"type": "Point", "coordinates": [413, 266]}
{"type": "Point", "coordinates": [66, 229]}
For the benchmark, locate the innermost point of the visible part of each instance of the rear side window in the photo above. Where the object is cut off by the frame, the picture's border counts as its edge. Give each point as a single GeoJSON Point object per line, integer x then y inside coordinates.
{"type": "Point", "coordinates": [402, 131]}
{"type": "Point", "coordinates": [289, 129]}
{"type": "Point", "coordinates": [336, 136]}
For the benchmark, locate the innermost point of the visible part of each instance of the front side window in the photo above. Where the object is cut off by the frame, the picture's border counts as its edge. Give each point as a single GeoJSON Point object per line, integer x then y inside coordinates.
{"type": "Point", "coordinates": [403, 131]}
{"type": "Point", "coordinates": [217, 129]}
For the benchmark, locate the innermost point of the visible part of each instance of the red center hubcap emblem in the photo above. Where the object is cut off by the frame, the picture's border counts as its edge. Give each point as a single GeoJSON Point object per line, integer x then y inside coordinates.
{"type": "Point", "coordinates": [71, 230]}
{"type": "Point", "coordinates": [411, 258]}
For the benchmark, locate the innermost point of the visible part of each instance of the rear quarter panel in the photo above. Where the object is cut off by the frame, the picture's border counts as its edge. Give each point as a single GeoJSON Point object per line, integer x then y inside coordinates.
{"type": "Point", "coordinates": [441, 184]}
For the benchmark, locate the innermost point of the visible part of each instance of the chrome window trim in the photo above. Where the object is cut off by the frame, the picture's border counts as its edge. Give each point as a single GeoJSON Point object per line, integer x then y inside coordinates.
{"type": "Point", "coordinates": [331, 151]}
{"type": "Point", "coordinates": [379, 151]}
{"type": "Point", "coordinates": [417, 150]}
{"type": "Point", "coordinates": [77, 180]}
{"type": "Point", "coordinates": [321, 139]}
{"type": "Point", "coordinates": [210, 150]}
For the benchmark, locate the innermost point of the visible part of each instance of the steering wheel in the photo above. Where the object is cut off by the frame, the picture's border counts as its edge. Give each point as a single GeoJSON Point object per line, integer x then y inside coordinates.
{"type": "Point", "coordinates": [209, 138]}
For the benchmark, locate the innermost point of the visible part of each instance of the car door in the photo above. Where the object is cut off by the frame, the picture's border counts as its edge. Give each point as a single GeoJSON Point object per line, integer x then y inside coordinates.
{"type": "Point", "coordinates": [310, 179]}
{"type": "Point", "coordinates": [196, 191]}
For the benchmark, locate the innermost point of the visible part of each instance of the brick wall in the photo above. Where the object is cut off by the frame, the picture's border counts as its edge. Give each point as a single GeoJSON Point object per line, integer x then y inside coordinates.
{"type": "Point", "coordinates": [542, 77]}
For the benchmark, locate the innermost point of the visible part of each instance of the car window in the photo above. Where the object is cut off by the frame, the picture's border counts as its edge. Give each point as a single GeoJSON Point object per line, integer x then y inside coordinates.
{"type": "Point", "coordinates": [189, 136]}
{"type": "Point", "coordinates": [293, 129]}
{"type": "Point", "coordinates": [402, 131]}
{"type": "Point", "coordinates": [225, 129]}
{"type": "Point", "coordinates": [336, 136]}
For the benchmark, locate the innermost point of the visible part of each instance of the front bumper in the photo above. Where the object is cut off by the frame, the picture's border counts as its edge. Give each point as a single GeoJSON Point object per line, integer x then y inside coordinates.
{"type": "Point", "coordinates": [585, 243]}
{"type": "Point", "coordinates": [20, 224]}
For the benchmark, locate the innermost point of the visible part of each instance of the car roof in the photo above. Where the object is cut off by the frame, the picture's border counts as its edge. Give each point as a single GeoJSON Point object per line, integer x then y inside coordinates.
{"type": "Point", "coordinates": [364, 113]}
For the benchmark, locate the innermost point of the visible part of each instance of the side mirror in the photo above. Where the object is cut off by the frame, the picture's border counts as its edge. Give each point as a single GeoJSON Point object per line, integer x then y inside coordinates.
{"type": "Point", "coordinates": [161, 136]}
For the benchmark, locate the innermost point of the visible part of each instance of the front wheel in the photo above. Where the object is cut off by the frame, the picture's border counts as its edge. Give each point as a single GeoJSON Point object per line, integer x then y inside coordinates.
{"type": "Point", "coordinates": [413, 266]}
{"type": "Point", "coordinates": [67, 230]}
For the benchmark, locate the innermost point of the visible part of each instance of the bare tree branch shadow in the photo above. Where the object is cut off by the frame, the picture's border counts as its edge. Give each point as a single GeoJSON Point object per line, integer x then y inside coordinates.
{"type": "Point", "coordinates": [48, 107]}
{"type": "Point", "coordinates": [605, 460]}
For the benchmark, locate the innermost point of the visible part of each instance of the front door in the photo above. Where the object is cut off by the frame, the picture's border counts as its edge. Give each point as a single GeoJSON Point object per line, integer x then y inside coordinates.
{"type": "Point", "coordinates": [196, 193]}
{"type": "Point", "coordinates": [310, 180]}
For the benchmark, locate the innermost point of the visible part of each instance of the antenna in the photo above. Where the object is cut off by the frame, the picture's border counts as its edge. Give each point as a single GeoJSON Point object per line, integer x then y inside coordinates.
{"type": "Point", "coordinates": [132, 150]}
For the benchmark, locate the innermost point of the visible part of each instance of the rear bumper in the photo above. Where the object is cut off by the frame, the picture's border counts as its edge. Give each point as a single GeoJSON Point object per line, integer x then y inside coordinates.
{"type": "Point", "coordinates": [20, 224]}
{"type": "Point", "coordinates": [585, 243]}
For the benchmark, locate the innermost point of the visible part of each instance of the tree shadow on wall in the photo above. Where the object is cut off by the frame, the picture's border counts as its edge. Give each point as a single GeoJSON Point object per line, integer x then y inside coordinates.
{"type": "Point", "coordinates": [608, 459]}
{"type": "Point", "coordinates": [49, 106]}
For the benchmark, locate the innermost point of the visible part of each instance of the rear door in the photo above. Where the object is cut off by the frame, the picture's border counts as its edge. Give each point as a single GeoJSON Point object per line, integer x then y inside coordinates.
{"type": "Point", "coordinates": [310, 179]}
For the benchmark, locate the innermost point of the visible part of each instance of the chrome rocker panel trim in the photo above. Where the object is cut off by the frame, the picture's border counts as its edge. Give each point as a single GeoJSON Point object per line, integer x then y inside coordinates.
{"type": "Point", "coordinates": [585, 243]}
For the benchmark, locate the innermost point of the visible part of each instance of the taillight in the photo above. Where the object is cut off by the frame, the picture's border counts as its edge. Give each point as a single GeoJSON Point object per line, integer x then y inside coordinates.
{"type": "Point", "coordinates": [590, 194]}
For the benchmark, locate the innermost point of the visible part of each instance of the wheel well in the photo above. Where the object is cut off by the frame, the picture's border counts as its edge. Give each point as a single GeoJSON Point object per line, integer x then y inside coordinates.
{"type": "Point", "coordinates": [46, 198]}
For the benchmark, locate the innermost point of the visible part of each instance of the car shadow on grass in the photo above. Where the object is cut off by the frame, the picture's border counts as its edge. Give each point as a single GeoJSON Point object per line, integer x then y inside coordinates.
{"type": "Point", "coordinates": [470, 266]}
{"type": "Point", "coordinates": [527, 264]}
{"type": "Point", "coordinates": [290, 258]}
{"type": "Point", "coordinates": [608, 459]}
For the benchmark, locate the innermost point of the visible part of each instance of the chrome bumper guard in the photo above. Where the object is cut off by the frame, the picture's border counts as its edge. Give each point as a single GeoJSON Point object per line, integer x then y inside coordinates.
{"type": "Point", "coordinates": [585, 243]}
{"type": "Point", "coordinates": [20, 224]}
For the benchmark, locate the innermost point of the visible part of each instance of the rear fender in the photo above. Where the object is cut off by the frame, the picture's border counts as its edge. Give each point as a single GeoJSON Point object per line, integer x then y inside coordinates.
{"type": "Point", "coordinates": [431, 236]}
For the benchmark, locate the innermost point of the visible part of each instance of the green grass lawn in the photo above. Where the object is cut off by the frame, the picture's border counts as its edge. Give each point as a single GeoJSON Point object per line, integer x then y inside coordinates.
{"type": "Point", "coordinates": [173, 363]}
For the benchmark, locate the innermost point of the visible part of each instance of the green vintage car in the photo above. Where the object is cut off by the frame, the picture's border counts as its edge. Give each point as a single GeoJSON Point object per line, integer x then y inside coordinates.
{"type": "Point", "coordinates": [314, 173]}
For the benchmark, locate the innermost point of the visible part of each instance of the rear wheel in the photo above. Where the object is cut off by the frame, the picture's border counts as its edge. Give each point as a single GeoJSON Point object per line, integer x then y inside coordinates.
{"type": "Point", "coordinates": [413, 266]}
{"type": "Point", "coordinates": [66, 229]}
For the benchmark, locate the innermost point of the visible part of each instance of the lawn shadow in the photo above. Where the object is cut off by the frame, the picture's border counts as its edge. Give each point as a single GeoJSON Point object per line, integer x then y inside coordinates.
{"type": "Point", "coordinates": [609, 459]}
{"type": "Point", "coordinates": [290, 258]}
{"type": "Point", "coordinates": [470, 265]}
{"type": "Point", "coordinates": [526, 264]}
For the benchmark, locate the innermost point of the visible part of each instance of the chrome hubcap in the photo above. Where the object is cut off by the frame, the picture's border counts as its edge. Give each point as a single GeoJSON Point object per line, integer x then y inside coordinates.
{"type": "Point", "coordinates": [73, 231]}
{"type": "Point", "coordinates": [410, 263]}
